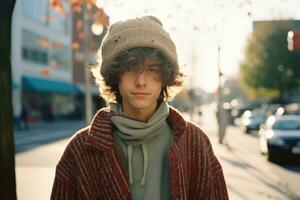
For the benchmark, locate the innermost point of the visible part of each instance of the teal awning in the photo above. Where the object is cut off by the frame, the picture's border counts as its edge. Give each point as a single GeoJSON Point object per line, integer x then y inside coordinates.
{"type": "Point", "coordinates": [33, 84]}
{"type": "Point", "coordinates": [14, 85]}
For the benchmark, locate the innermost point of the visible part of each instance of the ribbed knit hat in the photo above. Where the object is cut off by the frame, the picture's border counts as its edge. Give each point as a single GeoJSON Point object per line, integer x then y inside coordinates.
{"type": "Point", "coordinates": [145, 31]}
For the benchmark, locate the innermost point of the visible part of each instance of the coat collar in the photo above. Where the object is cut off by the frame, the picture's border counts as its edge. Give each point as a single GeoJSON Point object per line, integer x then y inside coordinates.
{"type": "Point", "coordinates": [100, 132]}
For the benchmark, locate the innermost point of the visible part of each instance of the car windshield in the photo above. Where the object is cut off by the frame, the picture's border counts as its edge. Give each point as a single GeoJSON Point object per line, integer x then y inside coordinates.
{"type": "Point", "coordinates": [287, 125]}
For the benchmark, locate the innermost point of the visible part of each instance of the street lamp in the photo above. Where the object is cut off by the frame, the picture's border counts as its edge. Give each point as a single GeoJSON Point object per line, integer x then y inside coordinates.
{"type": "Point", "coordinates": [100, 3]}
{"type": "Point", "coordinates": [87, 94]}
{"type": "Point", "coordinates": [97, 29]}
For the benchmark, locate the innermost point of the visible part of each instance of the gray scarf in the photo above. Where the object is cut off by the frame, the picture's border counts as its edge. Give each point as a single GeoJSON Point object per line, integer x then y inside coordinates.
{"type": "Point", "coordinates": [134, 132]}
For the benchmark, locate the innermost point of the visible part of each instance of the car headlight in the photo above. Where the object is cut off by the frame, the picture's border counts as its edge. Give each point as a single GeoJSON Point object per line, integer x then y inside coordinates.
{"type": "Point", "coordinates": [276, 141]}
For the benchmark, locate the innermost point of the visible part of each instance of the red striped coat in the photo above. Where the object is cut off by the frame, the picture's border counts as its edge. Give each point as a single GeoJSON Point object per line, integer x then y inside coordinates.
{"type": "Point", "coordinates": [90, 167]}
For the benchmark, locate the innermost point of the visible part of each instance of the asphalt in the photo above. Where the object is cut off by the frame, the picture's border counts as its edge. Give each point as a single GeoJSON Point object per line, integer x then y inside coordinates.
{"type": "Point", "coordinates": [42, 133]}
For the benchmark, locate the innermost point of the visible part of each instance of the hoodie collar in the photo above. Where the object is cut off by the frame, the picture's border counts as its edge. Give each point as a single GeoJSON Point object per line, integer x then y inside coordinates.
{"type": "Point", "coordinates": [100, 132]}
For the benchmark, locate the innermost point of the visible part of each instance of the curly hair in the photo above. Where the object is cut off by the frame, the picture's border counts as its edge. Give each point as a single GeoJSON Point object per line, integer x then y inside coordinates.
{"type": "Point", "coordinates": [170, 76]}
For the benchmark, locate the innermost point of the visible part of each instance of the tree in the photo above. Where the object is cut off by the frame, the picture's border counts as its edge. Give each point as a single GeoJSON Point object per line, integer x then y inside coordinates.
{"type": "Point", "coordinates": [269, 67]}
{"type": "Point", "coordinates": [7, 162]}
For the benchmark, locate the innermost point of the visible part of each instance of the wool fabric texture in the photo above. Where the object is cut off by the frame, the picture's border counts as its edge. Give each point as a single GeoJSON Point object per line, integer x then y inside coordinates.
{"type": "Point", "coordinates": [138, 132]}
{"type": "Point", "coordinates": [145, 31]}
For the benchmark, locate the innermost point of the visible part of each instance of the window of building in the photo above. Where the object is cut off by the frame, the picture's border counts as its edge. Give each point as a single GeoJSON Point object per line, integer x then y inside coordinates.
{"type": "Point", "coordinates": [60, 20]}
{"type": "Point", "coordinates": [34, 47]}
{"type": "Point", "coordinates": [59, 56]}
{"type": "Point", "coordinates": [41, 11]}
{"type": "Point", "coordinates": [36, 10]}
{"type": "Point", "coordinates": [40, 50]}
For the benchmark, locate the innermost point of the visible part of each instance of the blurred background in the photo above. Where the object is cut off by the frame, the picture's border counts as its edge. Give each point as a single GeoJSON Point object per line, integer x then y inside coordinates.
{"type": "Point", "coordinates": [240, 56]}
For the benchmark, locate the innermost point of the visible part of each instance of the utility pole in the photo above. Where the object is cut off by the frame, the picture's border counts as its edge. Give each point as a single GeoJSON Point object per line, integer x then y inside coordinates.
{"type": "Point", "coordinates": [89, 31]}
{"type": "Point", "coordinates": [87, 80]}
{"type": "Point", "coordinates": [220, 111]}
{"type": "Point", "coordinates": [219, 76]}
{"type": "Point", "coordinates": [7, 153]}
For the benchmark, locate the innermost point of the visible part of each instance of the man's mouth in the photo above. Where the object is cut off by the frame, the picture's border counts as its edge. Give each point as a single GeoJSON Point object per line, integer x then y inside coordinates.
{"type": "Point", "coordinates": [140, 94]}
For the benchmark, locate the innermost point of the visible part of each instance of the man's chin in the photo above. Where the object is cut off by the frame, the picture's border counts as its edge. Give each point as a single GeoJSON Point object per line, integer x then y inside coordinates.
{"type": "Point", "coordinates": [141, 105]}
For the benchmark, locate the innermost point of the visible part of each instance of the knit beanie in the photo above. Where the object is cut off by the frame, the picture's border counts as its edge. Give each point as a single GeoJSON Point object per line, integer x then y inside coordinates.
{"type": "Point", "coordinates": [146, 31]}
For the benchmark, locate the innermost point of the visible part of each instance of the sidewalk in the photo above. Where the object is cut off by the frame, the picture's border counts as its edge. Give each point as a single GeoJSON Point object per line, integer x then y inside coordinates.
{"type": "Point", "coordinates": [34, 181]}
{"type": "Point", "coordinates": [38, 150]}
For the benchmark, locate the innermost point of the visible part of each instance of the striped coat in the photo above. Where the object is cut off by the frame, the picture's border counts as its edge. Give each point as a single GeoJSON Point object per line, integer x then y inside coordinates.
{"type": "Point", "coordinates": [90, 167]}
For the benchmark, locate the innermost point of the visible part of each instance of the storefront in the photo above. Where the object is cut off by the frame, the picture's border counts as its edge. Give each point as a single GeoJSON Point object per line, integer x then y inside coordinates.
{"type": "Point", "coordinates": [48, 99]}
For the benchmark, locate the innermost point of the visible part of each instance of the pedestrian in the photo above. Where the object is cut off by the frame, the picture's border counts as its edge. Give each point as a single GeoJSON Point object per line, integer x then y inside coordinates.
{"type": "Point", "coordinates": [48, 113]}
{"type": "Point", "coordinates": [139, 147]}
{"type": "Point", "coordinates": [24, 118]}
{"type": "Point", "coordinates": [223, 121]}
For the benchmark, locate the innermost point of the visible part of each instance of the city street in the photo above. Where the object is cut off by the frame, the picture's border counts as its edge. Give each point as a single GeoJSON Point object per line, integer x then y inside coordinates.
{"type": "Point", "coordinates": [62, 60]}
{"type": "Point", "coordinates": [248, 174]}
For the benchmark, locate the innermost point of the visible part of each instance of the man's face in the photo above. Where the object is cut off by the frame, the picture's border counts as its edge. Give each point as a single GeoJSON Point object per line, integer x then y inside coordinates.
{"type": "Point", "coordinates": [140, 87]}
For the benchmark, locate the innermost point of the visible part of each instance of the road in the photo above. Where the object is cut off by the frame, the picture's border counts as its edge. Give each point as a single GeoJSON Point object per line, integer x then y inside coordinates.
{"type": "Point", "coordinates": [270, 180]}
{"type": "Point", "coordinates": [248, 174]}
{"type": "Point", "coordinates": [283, 178]}
{"type": "Point", "coordinates": [44, 133]}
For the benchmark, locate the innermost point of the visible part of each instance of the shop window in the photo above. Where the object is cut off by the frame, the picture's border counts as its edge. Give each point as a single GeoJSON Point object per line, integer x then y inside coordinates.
{"type": "Point", "coordinates": [34, 47]}
{"type": "Point", "coordinates": [25, 53]}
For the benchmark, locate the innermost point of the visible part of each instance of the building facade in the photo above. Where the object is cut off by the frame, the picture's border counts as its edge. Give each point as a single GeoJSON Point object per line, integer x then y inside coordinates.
{"type": "Point", "coordinates": [42, 65]}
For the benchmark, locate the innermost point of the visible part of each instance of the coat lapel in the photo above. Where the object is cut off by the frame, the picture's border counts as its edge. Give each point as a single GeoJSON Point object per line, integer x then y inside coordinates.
{"type": "Point", "coordinates": [100, 139]}
{"type": "Point", "coordinates": [178, 169]}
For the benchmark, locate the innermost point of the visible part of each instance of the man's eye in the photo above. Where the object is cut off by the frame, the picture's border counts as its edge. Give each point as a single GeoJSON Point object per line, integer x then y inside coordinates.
{"type": "Point", "coordinates": [153, 69]}
{"type": "Point", "coordinates": [131, 69]}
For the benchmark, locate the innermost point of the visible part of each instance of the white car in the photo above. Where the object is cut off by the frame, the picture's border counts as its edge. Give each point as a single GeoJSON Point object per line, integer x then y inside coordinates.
{"type": "Point", "coordinates": [279, 138]}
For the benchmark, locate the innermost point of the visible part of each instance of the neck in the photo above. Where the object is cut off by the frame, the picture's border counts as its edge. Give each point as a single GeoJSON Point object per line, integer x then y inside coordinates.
{"type": "Point", "coordinates": [140, 114]}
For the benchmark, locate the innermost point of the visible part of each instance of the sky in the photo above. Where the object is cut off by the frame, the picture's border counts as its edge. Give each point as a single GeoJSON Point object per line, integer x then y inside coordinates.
{"type": "Point", "coordinates": [198, 27]}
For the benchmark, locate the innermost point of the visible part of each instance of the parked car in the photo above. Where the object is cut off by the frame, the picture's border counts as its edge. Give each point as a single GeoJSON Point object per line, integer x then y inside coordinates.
{"type": "Point", "coordinates": [280, 137]}
{"type": "Point", "coordinates": [292, 109]}
{"type": "Point", "coordinates": [251, 120]}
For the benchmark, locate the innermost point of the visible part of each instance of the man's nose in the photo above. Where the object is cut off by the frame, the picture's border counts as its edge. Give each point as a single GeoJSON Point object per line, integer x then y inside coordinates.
{"type": "Point", "coordinates": [140, 78]}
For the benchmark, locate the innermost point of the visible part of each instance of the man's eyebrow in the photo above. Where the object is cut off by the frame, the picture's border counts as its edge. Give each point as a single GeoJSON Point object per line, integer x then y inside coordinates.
{"type": "Point", "coordinates": [153, 64]}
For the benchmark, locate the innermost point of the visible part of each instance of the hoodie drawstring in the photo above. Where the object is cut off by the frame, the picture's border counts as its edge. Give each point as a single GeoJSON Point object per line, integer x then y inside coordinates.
{"type": "Point", "coordinates": [145, 154]}
{"type": "Point", "coordinates": [129, 151]}
{"type": "Point", "coordinates": [145, 167]}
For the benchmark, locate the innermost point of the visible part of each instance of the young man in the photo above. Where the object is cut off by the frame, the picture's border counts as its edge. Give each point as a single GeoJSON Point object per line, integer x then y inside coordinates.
{"type": "Point", "coordinates": [139, 147]}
